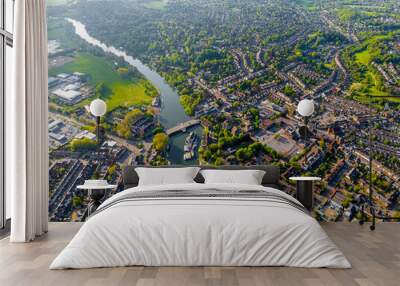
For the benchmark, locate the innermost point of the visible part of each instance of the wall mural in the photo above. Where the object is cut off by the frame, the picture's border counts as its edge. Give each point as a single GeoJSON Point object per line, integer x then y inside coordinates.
{"type": "Point", "coordinates": [218, 82]}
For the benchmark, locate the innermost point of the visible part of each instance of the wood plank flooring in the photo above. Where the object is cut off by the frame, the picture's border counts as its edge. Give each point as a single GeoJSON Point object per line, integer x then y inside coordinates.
{"type": "Point", "coordinates": [375, 257]}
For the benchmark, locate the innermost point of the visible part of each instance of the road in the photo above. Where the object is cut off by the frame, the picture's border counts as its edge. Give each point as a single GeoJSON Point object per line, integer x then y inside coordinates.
{"type": "Point", "coordinates": [124, 142]}
{"type": "Point", "coordinates": [65, 186]}
{"type": "Point", "coordinates": [182, 126]}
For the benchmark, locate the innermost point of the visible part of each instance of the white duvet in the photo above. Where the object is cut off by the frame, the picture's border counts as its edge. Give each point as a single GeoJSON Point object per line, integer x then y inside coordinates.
{"type": "Point", "coordinates": [202, 232]}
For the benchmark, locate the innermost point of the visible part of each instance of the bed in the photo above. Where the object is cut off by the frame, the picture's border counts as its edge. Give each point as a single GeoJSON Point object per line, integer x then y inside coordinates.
{"type": "Point", "coordinates": [197, 224]}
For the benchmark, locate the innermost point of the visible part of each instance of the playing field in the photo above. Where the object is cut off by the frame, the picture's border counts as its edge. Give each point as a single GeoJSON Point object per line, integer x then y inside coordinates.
{"type": "Point", "coordinates": [364, 57]}
{"type": "Point", "coordinates": [122, 92]}
{"type": "Point", "coordinates": [59, 2]}
{"type": "Point", "coordinates": [373, 82]}
{"type": "Point", "coordinates": [155, 4]}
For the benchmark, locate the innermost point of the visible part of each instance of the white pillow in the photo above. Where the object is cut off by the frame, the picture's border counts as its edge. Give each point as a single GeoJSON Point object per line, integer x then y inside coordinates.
{"type": "Point", "coordinates": [248, 177]}
{"type": "Point", "coordinates": [166, 176]}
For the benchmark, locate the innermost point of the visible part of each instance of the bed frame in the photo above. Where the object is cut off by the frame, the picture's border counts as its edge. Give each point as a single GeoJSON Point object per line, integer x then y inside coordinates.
{"type": "Point", "coordinates": [270, 179]}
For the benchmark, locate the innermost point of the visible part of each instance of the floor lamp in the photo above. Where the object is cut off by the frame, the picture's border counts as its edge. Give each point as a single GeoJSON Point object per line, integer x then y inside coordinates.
{"type": "Point", "coordinates": [305, 108]}
{"type": "Point", "coordinates": [98, 108]}
{"type": "Point", "coordinates": [370, 202]}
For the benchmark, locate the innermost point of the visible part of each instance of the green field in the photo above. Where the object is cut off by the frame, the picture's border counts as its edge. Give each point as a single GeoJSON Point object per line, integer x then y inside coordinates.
{"type": "Point", "coordinates": [309, 4]}
{"type": "Point", "coordinates": [372, 82]}
{"type": "Point", "coordinates": [370, 51]}
{"type": "Point", "coordinates": [122, 92]}
{"type": "Point", "coordinates": [365, 57]}
{"type": "Point", "coordinates": [155, 5]}
{"type": "Point", "coordinates": [59, 2]}
{"type": "Point", "coordinates": [99, 69]}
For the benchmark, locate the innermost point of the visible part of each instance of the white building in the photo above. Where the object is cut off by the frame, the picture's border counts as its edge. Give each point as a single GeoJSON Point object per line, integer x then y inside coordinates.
{"type": "Point", "coordinates": [110, 144]}
{"type": "Point", "coordinates": [69, 96]}
{"type": "Point", "coordinates": [55, 125]}
{"type": "Point", "coordinates": [72, 86]}
{"type": "Point", "coordinates": [63, 75]}
{"type": "Point", "coordinates": [86, 134]}
{"type": "Point", "coordinates": [59, 137]}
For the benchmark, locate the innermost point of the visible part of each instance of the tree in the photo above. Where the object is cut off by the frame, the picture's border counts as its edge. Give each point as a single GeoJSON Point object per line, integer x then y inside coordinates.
{"type": "Point", "coordinates": [219, 162]}
{"type": "Point", "coordinates": [124, 127]}
{"type": "Point", "coordinates": [207, 155]}
{"type": "Point", "coordinates": [159, 161]}
{"type": "Point", "coordinates": [77, 201]}
{"type": "Point", "coordinates": [160, 141]}
{"type": "Point", "coordinates": [189, 103]}
{"type": "Point", "coordinates": [346, 202]}
{"type": "Point", "coordinates": [244, 154]}
{"type": "Point", "coordinates": [289, 91]}
{"type": "Point", "coordinates": [112, 169]}
{"type": "Point", "coordinates": [158, 130]}
{"type": "Point", "coordinates": [213, 147]}
{"type": "Point", "coordinates": [101, 89]}
{"type": "Point", "coordinates": [84, 144]}
{"type": "Point", "coordinates": [322, 144]}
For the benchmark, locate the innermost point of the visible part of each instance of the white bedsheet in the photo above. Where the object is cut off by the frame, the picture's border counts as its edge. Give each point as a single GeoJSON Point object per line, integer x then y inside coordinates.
{"type": "Point", "coordinates": [203, 232]}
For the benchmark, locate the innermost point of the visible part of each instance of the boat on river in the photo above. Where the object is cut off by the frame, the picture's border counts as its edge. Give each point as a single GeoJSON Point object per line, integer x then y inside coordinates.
{"type": "Point", "coordinates": [191, 143]}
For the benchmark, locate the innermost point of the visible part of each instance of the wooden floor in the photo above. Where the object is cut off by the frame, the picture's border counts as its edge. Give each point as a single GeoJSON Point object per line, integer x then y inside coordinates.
{"type": "Point", "coordinates": [375, 257]}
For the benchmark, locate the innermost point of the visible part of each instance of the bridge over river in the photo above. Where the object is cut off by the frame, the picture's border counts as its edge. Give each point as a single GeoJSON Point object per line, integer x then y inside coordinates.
{"type": "Point", "coordinates": [182, 126]}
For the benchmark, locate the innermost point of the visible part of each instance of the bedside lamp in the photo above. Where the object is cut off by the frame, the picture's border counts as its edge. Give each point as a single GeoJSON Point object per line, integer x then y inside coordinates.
{"type": "Point", "coordinates": [305, 108]}
{"type": "Point", "coordinates": [304, 189]}
{"type": "Point", "coordinates": [98, 108]}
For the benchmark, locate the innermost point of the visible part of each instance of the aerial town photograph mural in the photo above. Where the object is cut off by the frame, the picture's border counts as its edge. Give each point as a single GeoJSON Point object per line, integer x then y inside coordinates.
{"type": "Point", "coordinates": [217, 82]}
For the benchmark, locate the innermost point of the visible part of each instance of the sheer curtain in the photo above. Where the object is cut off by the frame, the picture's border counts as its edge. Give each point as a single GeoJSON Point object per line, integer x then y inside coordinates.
{"type": "Point", "coordinates": [26, 120]}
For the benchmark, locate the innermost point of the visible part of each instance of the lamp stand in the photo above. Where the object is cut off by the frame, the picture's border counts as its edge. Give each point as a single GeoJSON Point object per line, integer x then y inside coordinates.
{"type": "Point", "coordinates": [303, 130]}
{"type": "Point", "coordinates": [371, 157]}
{"type": "Point", "coordinates": [370, 198]}
{"type": "Point", "coordinates": [98, 131]}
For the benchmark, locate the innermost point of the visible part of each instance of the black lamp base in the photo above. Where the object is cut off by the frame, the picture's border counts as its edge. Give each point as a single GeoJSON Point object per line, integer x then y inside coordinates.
{"type": "Point", "coordinates": [305, 193]}
{"type": "Point", "coordinates": [303, 130]}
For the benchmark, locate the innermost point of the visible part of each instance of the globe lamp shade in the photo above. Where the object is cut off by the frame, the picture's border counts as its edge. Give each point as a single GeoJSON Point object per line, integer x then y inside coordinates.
{"type": "Point", "coordinates": [98, 107]}
{"type": "Point", "coordinates": [305, 107]}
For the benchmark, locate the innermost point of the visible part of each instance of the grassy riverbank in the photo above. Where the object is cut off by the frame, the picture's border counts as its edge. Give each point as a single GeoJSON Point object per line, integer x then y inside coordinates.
{"type": "Point", "coordinates": [121, 91]}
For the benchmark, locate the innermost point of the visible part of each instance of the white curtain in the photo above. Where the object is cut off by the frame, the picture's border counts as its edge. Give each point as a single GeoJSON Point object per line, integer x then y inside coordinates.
{"type": "Point", "coordinates": [26, 124]}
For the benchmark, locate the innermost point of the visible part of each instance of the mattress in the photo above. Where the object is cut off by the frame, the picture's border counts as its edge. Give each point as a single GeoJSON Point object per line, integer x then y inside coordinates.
{"type": "Point", "coordinates": [201, 225]}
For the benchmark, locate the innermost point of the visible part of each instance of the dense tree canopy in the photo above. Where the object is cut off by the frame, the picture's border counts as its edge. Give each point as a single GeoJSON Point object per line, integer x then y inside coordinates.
{"type": "Point", "coordinates": [160, 141]}
{"type": "Point", "coordinates": [84, 144]}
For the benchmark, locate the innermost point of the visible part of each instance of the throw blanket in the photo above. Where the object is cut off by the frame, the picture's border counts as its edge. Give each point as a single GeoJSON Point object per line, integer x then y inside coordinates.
{"type": "Point", "coordinates": [201, 225]}
{"type": "Point", "coordinates": [206, 194]}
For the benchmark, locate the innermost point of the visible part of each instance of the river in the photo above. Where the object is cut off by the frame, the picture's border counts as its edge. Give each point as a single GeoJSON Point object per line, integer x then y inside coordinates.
{"type": "Point", "coordinates": [172, 111]}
